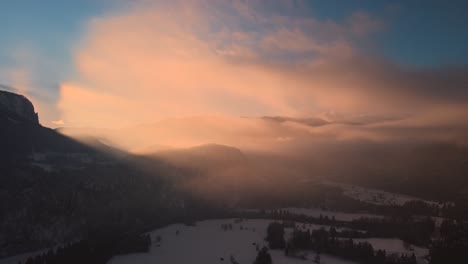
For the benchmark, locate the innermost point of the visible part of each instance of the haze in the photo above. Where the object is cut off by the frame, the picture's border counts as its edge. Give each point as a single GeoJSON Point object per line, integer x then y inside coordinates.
{"type": "Point", "coordinates": [233, 131]}
{"type": "Point", "coordinates": [184, 73]}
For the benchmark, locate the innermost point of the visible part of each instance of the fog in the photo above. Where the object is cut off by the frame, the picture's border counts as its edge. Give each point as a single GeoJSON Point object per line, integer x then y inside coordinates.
{"type": "Point", "coordinates": [154, 78]}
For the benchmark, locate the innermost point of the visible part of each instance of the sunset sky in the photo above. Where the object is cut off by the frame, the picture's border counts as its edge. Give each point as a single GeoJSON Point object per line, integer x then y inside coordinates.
{"type": "Point", "coordinates": [111, 64]}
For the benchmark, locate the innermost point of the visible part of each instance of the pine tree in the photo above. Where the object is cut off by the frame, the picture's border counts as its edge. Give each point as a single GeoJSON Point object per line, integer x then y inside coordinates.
{"type": "Point", "coordinates": [263, 257]}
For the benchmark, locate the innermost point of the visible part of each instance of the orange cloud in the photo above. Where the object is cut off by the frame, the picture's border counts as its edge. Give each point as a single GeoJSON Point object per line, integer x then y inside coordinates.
{"type": "Point", "coordinates": [58, 122]}
{"type": "Point", "coordinates": [169, 61]}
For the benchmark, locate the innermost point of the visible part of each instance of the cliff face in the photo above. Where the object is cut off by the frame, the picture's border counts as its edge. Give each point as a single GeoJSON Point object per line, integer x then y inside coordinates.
{"type": "Point", "coordinates": [18, 106]}
{"type": "Point", "coordinates": [21, 135]}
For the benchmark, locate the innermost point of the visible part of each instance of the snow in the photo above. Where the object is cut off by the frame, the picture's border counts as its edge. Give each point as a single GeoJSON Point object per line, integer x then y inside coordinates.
{"type": "Point", "coordinates": [46, 167]}
{"type": "Point", "coordinates": [279, 257]}
{"type": "Point", "coordinates": [207, 243]}
{"type": "Point", "coordinates": [375, 196]}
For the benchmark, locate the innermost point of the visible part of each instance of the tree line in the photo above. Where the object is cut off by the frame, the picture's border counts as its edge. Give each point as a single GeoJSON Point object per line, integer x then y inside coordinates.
{"type": "Point", "coordinates": [98, 251]}
{"type": "Point", "coordinates": [452, 244]}
{"type": "Point", "coordinates": [328, 241]}
{"type": "Point", "coordinates": [412, 230]}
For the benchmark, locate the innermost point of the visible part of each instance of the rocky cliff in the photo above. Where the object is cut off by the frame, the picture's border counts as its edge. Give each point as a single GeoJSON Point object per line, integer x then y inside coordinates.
{"type": "Point", "coordinates": [17, 106]}
{"type": "Point", "coordinates": [21, 135]}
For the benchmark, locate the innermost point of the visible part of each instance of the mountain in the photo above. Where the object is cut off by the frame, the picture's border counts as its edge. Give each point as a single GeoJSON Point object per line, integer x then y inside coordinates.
{"type": "Point", "coordinates": [55, 190]}
{"type": "Point", "coordinates": [205, 157]}
{"type": "Point", "coordinates": [214, 173]}
{"type": "Point", "coordinates": [17, 108]}
{"type": "Point", "coordinates": [22, 136]}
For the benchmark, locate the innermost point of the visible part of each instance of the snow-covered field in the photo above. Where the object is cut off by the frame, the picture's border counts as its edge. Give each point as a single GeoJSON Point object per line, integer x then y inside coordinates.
{"type": "Point", "coordinates": [207, 243]}
{"type": "Point", "coordinates": [375, 196]}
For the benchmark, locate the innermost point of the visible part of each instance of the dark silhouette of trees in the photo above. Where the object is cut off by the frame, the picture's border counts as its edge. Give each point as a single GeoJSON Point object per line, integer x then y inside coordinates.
{"type": "Point", "coordinates": [414, 231]}
{"type": "Point", "coordinates": [323, 241]}
{"type": "Point", "coordinates": [452, 245]}
{"type": "Point", "coordinates": [263, 257]}
{"type": "Point", "coordinates": [275, 236]}
{"type": "Point", "coordinates": [98, 251]}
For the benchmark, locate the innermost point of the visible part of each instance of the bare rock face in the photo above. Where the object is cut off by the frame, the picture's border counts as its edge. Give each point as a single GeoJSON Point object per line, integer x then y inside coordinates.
{"type": "Point", "coordinates": [17, 106]}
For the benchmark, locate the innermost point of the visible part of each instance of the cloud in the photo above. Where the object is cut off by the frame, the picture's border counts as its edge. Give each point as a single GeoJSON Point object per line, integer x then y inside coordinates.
{"type": "Point", "coordinates": [58, 122]}
{"type": "Point", "coordinates": [154, 60]}
{"type": "Point", "coordinates": [197, 58]}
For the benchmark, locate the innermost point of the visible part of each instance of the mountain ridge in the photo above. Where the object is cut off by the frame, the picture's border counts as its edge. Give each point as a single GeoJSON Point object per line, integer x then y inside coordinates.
{"type": "Point", "coordinates": [21, 134]}
{"type": "Point", "coordinates": [17, 106]}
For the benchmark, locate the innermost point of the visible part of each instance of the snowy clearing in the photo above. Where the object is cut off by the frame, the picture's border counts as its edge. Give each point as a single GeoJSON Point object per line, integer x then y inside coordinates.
{"type": "Point", "coordinates": [375, 196]}
{"type": "Point", "coordinates": [207, 243]}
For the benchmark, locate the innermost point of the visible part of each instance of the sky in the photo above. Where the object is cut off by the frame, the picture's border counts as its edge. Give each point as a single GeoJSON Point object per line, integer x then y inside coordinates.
{"type": "Point", "coordinates": [114, 64]}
